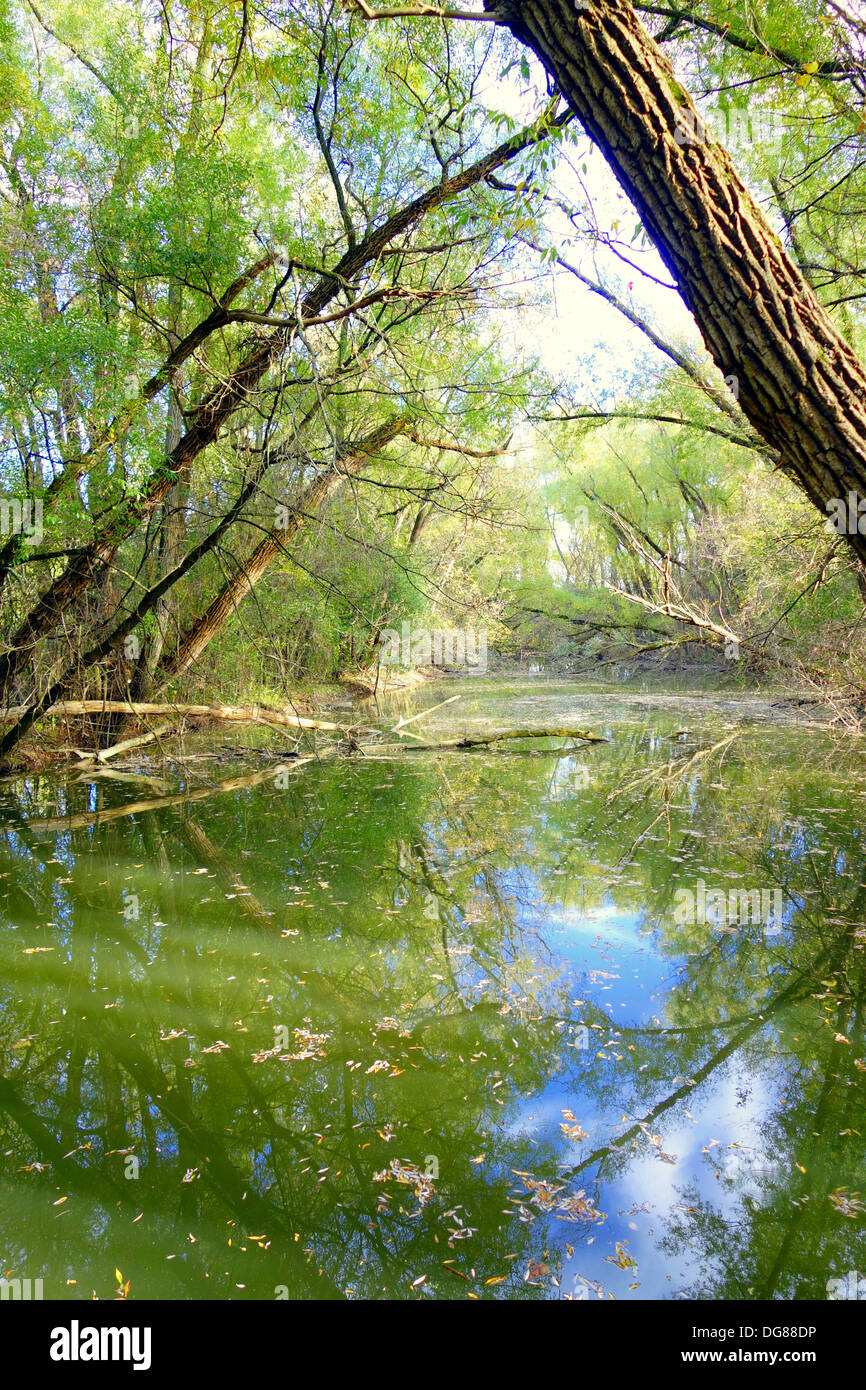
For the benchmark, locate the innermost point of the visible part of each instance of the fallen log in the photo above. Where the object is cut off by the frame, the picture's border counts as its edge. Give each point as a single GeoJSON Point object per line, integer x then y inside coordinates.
{"type": "Point", "coordinates": [497, 735]}
{"type": "Point", "coordinates": [246, 714]}
{"type": "Point", "coordinates": [491, 736]}
{"type": "Point", "coordinates": [101, 755]}
{"type": "Point", "coordinates": [423, 715]}
{"type": "Point", "coordinates": [74, 822]}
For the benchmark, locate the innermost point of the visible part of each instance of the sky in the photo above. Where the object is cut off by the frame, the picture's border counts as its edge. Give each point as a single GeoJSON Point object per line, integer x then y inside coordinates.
{"type": "Point", "coordinates": [574, 332]}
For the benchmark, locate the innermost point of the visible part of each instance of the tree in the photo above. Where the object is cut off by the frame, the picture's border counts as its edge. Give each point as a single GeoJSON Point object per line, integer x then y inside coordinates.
{"type": "Point", "coordinates": [799, 383]}
{"type": "Point", "coordinates": [248, 367]}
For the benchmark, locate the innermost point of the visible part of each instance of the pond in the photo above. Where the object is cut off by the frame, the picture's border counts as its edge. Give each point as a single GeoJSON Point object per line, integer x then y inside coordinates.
{"type": "Point", "coordinates": [543, 1021]}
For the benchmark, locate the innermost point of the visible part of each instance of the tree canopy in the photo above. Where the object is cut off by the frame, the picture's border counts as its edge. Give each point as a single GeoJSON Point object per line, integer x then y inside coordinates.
{"type": "Point", "coordinates": [274, 335]}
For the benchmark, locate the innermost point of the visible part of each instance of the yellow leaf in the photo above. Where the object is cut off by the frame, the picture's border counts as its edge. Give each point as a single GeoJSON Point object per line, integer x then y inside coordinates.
{"type": "Point", "coordinates": [497, 1279]}
{"type": "Point", "coordinates": [810, 67]}
{"type": "Point", "coordinates": [118, 1276]}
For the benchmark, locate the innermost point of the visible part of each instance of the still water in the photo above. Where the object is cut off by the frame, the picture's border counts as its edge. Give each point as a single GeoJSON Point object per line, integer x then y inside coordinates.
{"type": "Point", "coordinates": [489, 1024]}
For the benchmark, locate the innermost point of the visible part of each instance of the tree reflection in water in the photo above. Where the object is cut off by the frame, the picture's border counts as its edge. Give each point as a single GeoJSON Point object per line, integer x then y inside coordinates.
{"type": "Point", "coordinates": [431, 1028]}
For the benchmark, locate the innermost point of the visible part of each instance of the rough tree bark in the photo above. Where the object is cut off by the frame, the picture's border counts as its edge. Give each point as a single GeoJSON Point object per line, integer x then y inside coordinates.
{"type": "Point", "coordinates": [799, 384]}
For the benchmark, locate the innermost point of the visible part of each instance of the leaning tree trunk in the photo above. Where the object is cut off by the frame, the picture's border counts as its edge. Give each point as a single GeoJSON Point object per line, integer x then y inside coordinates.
{"type": "Point", "coordinates": [215, 617]}
{"type": "Point", "coordinates": [173, 524]}
{"type": "Point", "coordinates": [799, 383]}
{"type": "Point", "coordinates": [89, 563]}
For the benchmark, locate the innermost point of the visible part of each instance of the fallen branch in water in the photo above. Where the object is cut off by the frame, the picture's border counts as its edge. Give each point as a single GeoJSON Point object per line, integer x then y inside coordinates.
{"type": "Point", "coordinates": [423, 715]}
{"type": "Point", "coordinates": [73, 822]}
{"type": "Point", "coordinates": [491, 736]}
{"type": "Point", "coordinates": [101, 755]}
{"type": "Point", "coordinates": [248, 714]}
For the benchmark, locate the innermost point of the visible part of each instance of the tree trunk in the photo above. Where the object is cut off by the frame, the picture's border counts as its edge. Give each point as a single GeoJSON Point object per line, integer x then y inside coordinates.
{"type": "Point", "coordinates": [797, 381]}
{"type": "Point", "coordinates": [90, 562]}
{"type": "Point", "coordinates": [171, 529]}
{"type": "Point", "coordinates": [214, 619]}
